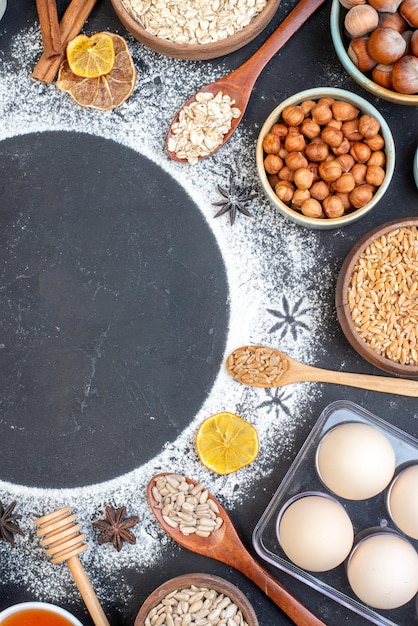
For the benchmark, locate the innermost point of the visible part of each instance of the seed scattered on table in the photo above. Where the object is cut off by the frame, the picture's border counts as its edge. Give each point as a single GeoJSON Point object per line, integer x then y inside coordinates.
{"type": "Point", "coordinates": [195, 605]}
{"type": "Point", "coordinates": [201, 126]}
{"type": "Point", "coordinates": [256, 365]}
{"type": "Point", "coordinates": [383, 295]}
{"type": "Point", "coordinates": [186, 506]}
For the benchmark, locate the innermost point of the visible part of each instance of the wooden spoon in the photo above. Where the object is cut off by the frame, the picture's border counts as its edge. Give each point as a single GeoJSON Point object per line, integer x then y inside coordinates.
{"type": "Point", "coordinates": [225, 545]}
{"type": "Point", "coordinates": [61, 536]}
{"type": "Point", "coordinates": [239, 83]}
{"type": "Point", "coordinates": [260, 366]}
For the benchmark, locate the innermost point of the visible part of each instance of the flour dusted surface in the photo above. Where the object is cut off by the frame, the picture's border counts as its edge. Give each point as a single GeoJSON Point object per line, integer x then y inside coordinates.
{"type": "Point", "coordinates": [267, 262]}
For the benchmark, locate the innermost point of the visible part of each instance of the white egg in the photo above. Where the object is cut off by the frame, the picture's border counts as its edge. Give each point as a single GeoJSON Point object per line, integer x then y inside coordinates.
{"type": "Point", "coordinates": [383, 571]}
{"type": "Point", "coordinates": [355, 461]}
{"type": "Point", "coordinates": [315, 532]}
{"type": "Point", "coordinates": [403, 501]}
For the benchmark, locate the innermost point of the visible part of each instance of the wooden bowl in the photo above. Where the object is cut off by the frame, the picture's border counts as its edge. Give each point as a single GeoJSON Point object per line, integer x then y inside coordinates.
{"type": "Point", "coordinates": [341, 44]}
{"type": "Point", "coordinates": [365, 107]}
{"type": "Point", "coordinates": [197, 52]}
{"type": "Point", "coordinates": [343, 309]}
{"type": "Point", "coordinates": [200, 580]}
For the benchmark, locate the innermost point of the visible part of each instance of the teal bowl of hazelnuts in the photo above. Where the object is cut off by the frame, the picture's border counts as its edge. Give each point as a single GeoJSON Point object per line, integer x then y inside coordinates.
{"type": "Point", "coordinates": [325, 158]}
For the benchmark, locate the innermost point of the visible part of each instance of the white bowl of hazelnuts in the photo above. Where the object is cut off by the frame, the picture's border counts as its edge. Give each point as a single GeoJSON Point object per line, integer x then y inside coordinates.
{"type": "Point", "coordinates": [325, 157]}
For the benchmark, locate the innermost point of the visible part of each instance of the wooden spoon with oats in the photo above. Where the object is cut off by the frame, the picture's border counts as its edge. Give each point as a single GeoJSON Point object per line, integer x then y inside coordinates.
{"type": "Point", "coordinates": [260, 366]}
{"type": "Point", "coordinates": [237, 86]}
{"type": "Point", "coordinates": [224, 545]}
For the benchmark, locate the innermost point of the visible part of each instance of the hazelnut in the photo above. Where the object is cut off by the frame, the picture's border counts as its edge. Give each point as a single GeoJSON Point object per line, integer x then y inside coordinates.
{"type": "Point", "coordinates": [345, 183]}
{"type": "Point", "coordinates": [360, 20]}
{"type": "Point", "coordinates": [330, 170]}
{"type": "Point", "coordinates": [333, 207]}
{"type": "Point", "coordinates": [319, 190]}
{"type": "Point", "coordinates": [294, 142]}
{"type": "Point", "coordinates": [377, 158]}
{"type": "Point", "coordinates": [310, 129]}
{"type": "Point", "coordinates": [368, 126]}
{"type": "Point", "coordinates": [360, 196]}
{"type": "Point", "coordinates": [360, 151]}
{"type": "Point", "coordinates": [359, 54]}
{"type": "Point", "coordinates": [317, 151]}
{"type": "Point", "coordinates": [409, 11]}
{"type": "Point", "coordinates": [344, 111]}
{"type": "Point", "coordinates": [273, 163]}
{"type": "Point", "coordinates": [295, 160]}
{"type": "Point", "coordinates": [382, 75]}
{"type": "Point", "coordinates": [375, 143]}
{"type": "Point", "coordinates": [303, 178]}
{"type": "Point", "coordinates": [350, 130]}
{"type": "Point", "coordinates": [284, 190]}
{"type": "Point", "coordinates": [271, 143]}
{"type": "Point", "coordinates": [394, 20]}
{"type": "Point", "coordinates": [299, 197]}
{"type": "Point", "coordinates": [345, 199]}
{"type": "Point", "coordinates": [321, 113]}
{"type": "Point", "coordinates": [335, 123]}
{"type": "Point", "coordinates": [312, 208]}
{"type": "Point", "coordinates": [280, 130]}
{"type": "Point", "coordinates": [386, 45]}
{"type": "Point", "coordinates": [306, 106]}
{"type": "Point", "coordinates": [286, 173]}
{"type": "Point", "coordinates": [343, 148]}
{"type": "Point", "coordinates": [293, 115]}
{"type": "Point", "coordinates": [346, 161]}
{"type": "Point", "coordinates": [405, 74]}
{"type": "Point", "coordinates": [332, 136]}
{"type": "Point", "coordinates": [375, 175]}
{"type": "Point", "coordinates": [359, 172]}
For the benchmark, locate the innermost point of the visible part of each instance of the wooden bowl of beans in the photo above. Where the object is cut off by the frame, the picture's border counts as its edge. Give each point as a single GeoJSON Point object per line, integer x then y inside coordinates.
{"type": "Point", "coordinates": [194, 596]}
{"type": "Point", "coordinates": [194, 30]}
{"type": "Point", "coordinates": [325, 157]}
{"type": "Point", "coordinates": [377, 297]}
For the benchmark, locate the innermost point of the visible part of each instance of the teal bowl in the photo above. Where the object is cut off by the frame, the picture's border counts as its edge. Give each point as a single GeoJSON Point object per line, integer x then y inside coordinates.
{"type": "Point", "coordinates": [340, 44]}
{"type": "Point", "coordinates": [365, 107]}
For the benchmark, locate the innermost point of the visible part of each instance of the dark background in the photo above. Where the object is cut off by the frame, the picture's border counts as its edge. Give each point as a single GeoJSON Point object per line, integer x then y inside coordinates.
{"type": "Point", "coordinates": [304, 62]}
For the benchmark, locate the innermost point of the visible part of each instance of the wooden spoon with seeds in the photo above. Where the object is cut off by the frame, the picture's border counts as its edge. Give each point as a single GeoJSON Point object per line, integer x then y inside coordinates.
{"type": "Point", "coordinates": [260, 366]}
{"type": "Point", "coordinates": [225, 545]}
{"type": "Point", "coordinates": [238, 85]}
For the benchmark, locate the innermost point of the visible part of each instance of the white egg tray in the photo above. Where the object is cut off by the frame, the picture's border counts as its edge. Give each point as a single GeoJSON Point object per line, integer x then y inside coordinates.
{"type": "Point", "coordinates": [364, 514]}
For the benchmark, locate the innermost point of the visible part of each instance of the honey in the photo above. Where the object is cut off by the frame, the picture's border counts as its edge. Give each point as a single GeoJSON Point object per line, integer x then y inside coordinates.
{"type": "Point", "coordinates": [35, 617]}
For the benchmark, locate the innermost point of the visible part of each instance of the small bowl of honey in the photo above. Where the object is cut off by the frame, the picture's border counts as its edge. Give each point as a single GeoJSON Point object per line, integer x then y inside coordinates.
{"type": "Point", "coordinates": [37, 614]}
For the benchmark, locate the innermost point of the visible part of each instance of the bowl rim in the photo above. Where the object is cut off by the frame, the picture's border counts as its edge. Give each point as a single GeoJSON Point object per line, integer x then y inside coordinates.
{"type": "Point", "coordinates": [199, 579]}
{"type": "Point", "coordinates": [197, 51]}
{"type": "Point", "coordinates": [44, 606]}
{"type": "Point", "coordinates": [358, 101]}
{"type": "Point", "coordinates": [341, 303]}
{"type": "Point", "coordinates": [359, 77]}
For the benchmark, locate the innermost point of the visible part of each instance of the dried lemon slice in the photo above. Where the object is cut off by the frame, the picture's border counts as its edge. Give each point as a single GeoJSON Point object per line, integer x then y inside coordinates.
{"type": "Point", "coordinates": [102, 92]}
{"type": "Point", "coordinates": [225, 443]}
{"type": "Point", "coordinates": [91, 56]}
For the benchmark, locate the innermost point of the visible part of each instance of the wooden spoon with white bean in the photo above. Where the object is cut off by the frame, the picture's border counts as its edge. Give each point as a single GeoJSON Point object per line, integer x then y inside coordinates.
{"type": "Point", "coordinates": [224, 544]}
{"type": "Point", "coordinates": [261, 366]}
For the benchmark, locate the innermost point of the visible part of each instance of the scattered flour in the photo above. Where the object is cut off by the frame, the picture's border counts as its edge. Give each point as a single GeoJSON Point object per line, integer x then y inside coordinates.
{"type": "Point", "coordinates": [269, 265]}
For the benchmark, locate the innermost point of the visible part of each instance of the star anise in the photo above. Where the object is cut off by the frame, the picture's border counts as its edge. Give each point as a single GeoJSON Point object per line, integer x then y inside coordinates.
{"type": "Point", "coordinates": [234, 199]}
{"type": "Point", "coordinates": [7, 526]}
{"type": "Point", "coordinates": [115, 528]}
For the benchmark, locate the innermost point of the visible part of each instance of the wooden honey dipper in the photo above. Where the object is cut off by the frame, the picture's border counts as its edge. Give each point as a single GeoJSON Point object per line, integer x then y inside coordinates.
{"type": "Point", "coordinates": [63, 540]}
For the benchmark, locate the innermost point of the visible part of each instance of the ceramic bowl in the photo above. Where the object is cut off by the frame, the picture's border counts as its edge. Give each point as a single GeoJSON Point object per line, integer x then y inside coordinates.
{"type": "Point", "coordinates": [365, 107]}
{"type": "Point", "coordinates": [343, 310]}
{"type": "Point", "coordinates": [23, 609]}
{"type": "Point", "coordinates": [199, 580]}
{"type": "Point", "coordinates": [199, 51]}
{"type": "Point", "coordinates": [341, 44]}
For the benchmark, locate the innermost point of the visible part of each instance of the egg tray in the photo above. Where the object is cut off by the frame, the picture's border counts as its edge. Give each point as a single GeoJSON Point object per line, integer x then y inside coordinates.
{"type": "Point", "coordinates": [364, 514]}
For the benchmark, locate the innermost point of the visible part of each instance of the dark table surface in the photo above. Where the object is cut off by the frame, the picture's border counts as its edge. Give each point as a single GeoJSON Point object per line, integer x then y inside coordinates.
{"type": "Point", "coordinates": [121, 296]}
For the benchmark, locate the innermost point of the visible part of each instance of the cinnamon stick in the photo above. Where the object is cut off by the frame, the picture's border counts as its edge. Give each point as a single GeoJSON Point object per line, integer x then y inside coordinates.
{"type": "Point", "coordinates": [70, 25]}
{"type": "Point", "coordinates": [50, 28]}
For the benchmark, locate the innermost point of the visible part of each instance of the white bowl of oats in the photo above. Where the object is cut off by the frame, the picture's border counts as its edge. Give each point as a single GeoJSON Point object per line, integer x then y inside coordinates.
{"type": "Point", "coordinates": [377, 297]}
{"type": "Point", "coordinates": [195, 29]}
